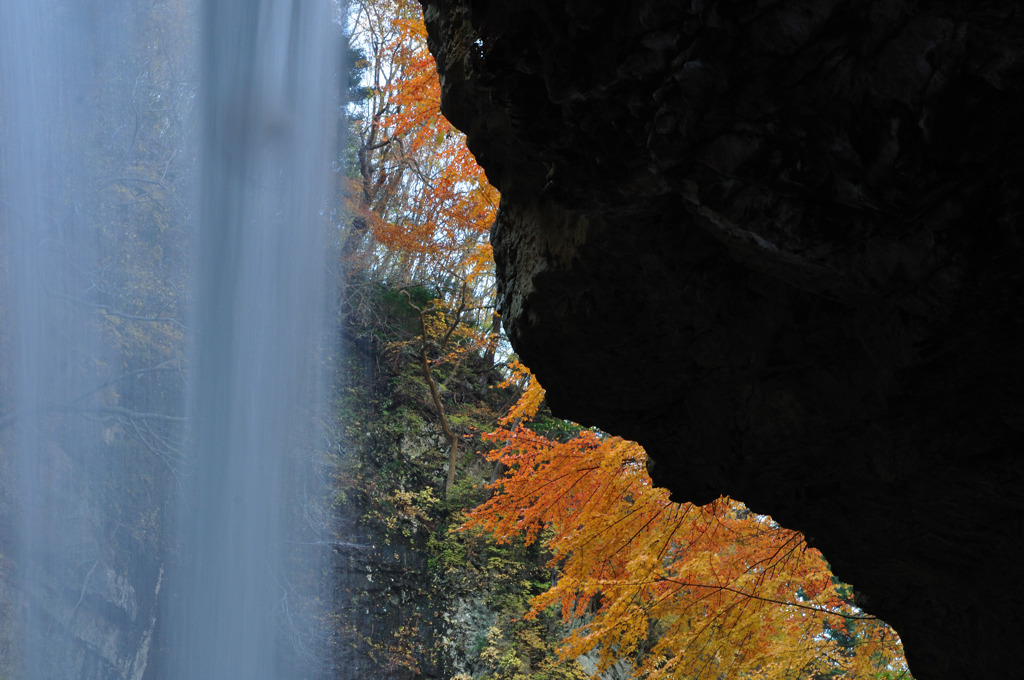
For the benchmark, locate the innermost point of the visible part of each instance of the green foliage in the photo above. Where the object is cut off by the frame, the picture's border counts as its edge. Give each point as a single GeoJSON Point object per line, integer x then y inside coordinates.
{"type": "Point", "coordinates": [467, 492]}
{"type": "Point", "coordinates": [356, 63]}
{"type": "Point", "coordinates": [396, 307]}
{"type": "Point", "coordinates": [394, 479]}
{"type": "Point", "coordinates": [553, 428]}
{"type": "Point", "coordinates": [523, 651]}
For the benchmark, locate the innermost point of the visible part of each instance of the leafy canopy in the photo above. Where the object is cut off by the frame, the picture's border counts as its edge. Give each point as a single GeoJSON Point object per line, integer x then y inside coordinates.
{"type": "Point", "coordinates": [424, 205]}
{"type": "Point", "coordinates": [682, 591]}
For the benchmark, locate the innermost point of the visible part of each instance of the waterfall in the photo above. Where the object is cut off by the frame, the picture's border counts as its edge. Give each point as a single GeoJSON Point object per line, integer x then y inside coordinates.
{"type": "Point", "coordinates": [51, 347]}
{"type": "Point", "coordinates": [163, 307]}
{"type": "Point", "coordinates": [259, 296]}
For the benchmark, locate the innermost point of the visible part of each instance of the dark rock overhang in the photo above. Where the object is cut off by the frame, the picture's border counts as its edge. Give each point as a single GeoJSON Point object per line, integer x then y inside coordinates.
{"type": "Point", "coordinates": [779, 244]}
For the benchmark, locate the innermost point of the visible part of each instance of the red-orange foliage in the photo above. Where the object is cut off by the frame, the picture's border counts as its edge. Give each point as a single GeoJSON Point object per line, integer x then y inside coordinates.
{"type": "Point", "coordinates": [682, 591]}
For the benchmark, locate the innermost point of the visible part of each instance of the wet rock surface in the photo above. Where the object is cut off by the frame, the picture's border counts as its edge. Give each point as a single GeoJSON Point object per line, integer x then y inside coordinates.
{"type": "Point", "coordinates": [94, 591]}
{"type": "Point", "coordinates": [779, 244]}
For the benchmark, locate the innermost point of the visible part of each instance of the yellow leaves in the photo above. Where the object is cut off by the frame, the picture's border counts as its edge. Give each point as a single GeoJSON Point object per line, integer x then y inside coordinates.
{"type": "Point", "coordinates": [408, 510]}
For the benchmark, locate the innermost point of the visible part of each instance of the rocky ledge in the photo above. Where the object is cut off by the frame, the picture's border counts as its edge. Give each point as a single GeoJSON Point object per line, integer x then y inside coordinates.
{"type": "Point", "coordinates": [779, 244]}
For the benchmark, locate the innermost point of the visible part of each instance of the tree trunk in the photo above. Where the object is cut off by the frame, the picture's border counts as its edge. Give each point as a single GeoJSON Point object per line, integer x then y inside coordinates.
{"type": "Point", "coordinates": [435, 396]}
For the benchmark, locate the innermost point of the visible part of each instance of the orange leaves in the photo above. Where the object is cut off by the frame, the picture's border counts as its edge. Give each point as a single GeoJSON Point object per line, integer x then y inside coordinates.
{"type": "Point", "coordinates": [529, 402]}
{"type": "Point", "coordinates": [434, 204]}
{"type": "Point", "coordinates": [681, 590]}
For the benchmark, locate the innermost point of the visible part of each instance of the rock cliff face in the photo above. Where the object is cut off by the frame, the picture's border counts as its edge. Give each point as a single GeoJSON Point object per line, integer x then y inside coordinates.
{"type": "Point", "coordinates": [779, 244]}
{"type": "Point", "coordinates": [93, 594]}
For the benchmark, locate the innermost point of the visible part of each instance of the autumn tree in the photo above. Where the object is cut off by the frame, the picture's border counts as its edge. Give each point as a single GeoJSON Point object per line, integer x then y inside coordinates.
{"type": "Point", "coordinates": [418, 208]}
{"type": "Point", "coordinates": [421, 208]}
{"type": "Point", "coordinates": [681, 591]}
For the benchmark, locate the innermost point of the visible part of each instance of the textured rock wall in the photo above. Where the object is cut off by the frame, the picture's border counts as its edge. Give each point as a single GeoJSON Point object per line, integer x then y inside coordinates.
{"type": "Point", "coordinates": [93, 597]}
{"type": "Point", "coordinates": [387, 617]}
{"type": "Point", "coordinates": [779, 243]}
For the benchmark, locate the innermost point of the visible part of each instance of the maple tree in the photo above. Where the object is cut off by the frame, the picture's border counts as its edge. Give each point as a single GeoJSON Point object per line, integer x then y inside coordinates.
{"type": "Point", "coordinates": [682, 591]}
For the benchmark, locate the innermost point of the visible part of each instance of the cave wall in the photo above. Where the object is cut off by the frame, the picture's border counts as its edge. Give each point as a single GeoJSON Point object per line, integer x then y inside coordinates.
{"type": "Point", "coordinates": [779, 244]}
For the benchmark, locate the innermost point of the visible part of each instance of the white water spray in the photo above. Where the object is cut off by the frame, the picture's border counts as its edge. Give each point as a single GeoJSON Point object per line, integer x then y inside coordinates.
{"type": "Point", "coordinates": [259, 313]}
{"type": "Point", "coordinates": [94, 201]}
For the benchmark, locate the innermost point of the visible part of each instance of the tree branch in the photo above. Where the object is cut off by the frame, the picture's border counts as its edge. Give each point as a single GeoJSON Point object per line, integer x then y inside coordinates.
{"type": "Point", "coordinates": [822, 610]}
